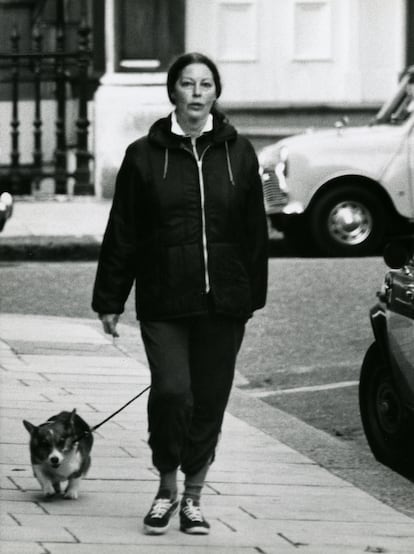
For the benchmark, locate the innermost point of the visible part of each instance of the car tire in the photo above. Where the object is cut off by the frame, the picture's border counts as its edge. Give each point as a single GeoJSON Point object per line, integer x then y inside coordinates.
{"type": "Point", "coordinates": [348, 221]}
{"type": "Point", "coordinates": [297, 237]}
{"type": "Point", "coordinates": [387, 424]}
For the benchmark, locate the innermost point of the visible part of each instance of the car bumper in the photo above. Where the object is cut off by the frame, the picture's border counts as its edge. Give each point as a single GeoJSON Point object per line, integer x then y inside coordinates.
{"type": "Point", "coordinates": [281, 216]}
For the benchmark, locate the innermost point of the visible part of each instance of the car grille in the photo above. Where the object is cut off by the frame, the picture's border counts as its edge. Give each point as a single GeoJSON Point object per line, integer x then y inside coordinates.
{"type": "Point", "coordinates": [274, 197]}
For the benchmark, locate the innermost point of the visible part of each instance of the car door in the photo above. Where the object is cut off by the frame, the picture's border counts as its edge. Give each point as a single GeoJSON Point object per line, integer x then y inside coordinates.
{"type": "Point", "coordinates": [410, 110]}
{"type": "Point", "coordinates": [401, 324]}
{"type": "Point", "coordinates": [411, 165]}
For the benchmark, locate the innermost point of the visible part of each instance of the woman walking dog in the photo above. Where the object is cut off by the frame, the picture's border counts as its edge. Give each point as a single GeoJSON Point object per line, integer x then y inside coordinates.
{"type": "Point", "coordinates": [187, 224]}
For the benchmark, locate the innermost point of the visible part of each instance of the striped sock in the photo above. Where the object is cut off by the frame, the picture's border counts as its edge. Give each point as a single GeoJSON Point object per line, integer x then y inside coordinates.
{"type": "Point", "coordinates": [193, 484]}
{"type": "Point", "coordinates": [168, 484]}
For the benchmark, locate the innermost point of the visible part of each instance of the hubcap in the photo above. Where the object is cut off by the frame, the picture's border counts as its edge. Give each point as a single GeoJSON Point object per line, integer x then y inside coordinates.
{"type": "Point", "coordinates": [350, 223]}
{"type": "Point", "coordinates": [389, 409]}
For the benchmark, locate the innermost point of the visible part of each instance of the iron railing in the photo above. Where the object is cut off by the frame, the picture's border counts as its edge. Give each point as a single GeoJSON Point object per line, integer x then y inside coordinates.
{"type": "Point", "coordinates": [61, 68]}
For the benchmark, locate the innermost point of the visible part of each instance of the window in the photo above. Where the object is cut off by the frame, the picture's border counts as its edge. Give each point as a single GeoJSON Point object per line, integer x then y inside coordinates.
{"type": "Point", "coordinates": [312, 30]}
{"type": "Point", "coordinates": [150, 33]}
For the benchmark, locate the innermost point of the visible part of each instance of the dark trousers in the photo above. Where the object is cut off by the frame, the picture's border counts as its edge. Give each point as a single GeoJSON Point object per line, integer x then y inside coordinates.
{"type": "Point", "coordinates": [192, 362]}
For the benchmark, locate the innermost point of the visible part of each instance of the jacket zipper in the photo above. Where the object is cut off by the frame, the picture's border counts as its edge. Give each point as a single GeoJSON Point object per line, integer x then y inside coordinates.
{"type": "Point", "coordinates": [199, 161]}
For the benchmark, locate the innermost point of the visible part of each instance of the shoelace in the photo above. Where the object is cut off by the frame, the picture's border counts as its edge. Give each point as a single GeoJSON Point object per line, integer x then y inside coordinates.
{"type": "Point", "coordinates": [192, 512]}
{"type": "Point", "coordinates": [160, 507]}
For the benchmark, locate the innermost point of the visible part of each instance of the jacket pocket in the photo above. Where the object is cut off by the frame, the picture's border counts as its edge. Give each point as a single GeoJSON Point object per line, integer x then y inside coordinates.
{"type": "Point", "coordinates": [148, 271]}
{"type": "Point", "coordinates": [229, 279]}
{"type": "Point", "coordinates": [182, 269]}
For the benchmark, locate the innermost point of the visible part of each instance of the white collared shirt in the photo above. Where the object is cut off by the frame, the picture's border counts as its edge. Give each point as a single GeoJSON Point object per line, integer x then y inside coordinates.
{"type": "Point", "coordinates": [177, 130]}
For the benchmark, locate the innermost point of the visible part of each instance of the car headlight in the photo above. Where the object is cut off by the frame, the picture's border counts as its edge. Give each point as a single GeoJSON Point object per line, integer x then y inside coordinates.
{"type": "Point", "coordinates": [275, 164]}
{"type": "Point", "coordinates": [273, 171]}
{"type": "Point", "coordinates": [281, 168]}
{"type": "Point", "coordinates": [6, 203]}
{"type": "Point", "coordinates": [283, 154]}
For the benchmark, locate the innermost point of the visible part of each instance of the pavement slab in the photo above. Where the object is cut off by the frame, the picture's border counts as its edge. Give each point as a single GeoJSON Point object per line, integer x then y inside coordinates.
{"type": "Point", "coordinates": [262, 496]}
{"type": "Point", "coordinates": [74, 217]}
{"type": "Point", "coordinates": [21, 548]}
{"type": "Point", "coordinates": [156, 549]}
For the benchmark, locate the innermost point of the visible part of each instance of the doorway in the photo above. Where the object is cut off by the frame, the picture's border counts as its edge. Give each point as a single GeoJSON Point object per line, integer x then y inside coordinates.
{"type": "Point", "coordinates": [150, 33]}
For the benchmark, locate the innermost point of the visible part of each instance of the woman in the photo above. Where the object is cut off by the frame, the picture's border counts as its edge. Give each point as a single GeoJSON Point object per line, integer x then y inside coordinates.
{"type": "Point", "coordinates": [188, 225]}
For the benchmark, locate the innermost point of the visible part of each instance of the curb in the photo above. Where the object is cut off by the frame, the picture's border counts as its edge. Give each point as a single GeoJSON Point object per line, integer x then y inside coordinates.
{"type": "Point", "coordinates": [33, 248]}
{"type": "Point", "coordinates": [49, 248]}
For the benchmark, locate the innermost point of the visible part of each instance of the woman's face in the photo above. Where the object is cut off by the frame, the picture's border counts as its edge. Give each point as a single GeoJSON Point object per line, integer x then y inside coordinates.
{"type": "Point", "coordinates": [194, 92]}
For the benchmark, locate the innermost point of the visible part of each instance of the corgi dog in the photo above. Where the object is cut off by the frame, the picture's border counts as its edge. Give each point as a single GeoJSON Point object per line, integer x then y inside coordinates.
{"type": "Point", "coordinates": [60, 451]}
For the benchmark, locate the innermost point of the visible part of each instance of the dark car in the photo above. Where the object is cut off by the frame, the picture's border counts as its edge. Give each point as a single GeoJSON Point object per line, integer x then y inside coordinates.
{"type": "Point", "coordinates": [386, 387]}
{"type": "Point", "coordinates": [6, 208]}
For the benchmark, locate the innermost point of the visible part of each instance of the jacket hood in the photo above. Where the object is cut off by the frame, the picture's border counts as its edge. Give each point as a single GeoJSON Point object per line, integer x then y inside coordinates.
{"type": "Point", "coordinates": [160, 132]}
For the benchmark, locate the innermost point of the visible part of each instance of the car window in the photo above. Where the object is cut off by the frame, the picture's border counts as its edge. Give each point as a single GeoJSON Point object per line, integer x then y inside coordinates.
{"type": "Point", "coordinates": [401, 105]}
{"type": "Point", "coordinates": [405, 107]}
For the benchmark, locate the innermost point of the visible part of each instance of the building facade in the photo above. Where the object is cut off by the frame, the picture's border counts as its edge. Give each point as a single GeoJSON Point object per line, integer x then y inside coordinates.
{"type": "Point", "coordinates": [275, 57]}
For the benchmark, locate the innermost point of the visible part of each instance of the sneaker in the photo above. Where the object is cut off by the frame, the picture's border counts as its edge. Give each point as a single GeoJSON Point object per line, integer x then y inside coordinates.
{"type": "Point", "coordinates": [157, 520]}
{"type": "Point", "coordinates": [191, 518]}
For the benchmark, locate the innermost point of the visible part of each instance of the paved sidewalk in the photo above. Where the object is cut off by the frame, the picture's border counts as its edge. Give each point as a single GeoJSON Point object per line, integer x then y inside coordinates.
{"type": "Point", "coordinates": [261, 496]}
{"type": "Point", "coordinates": [77, 217]}
{"type": "Point", "coordinates": [66, 229]}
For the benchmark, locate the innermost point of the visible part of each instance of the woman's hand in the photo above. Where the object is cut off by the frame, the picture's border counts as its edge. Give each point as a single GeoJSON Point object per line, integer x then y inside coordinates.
{"type": "Point", "coordinates": [109, 323]}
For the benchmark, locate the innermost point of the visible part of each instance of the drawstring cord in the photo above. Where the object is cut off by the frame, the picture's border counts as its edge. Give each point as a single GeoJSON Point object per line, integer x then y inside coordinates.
{"type": "Point", "coordinates": [229, 169]}
{"type": "Point", "coordinates": [164, 175]}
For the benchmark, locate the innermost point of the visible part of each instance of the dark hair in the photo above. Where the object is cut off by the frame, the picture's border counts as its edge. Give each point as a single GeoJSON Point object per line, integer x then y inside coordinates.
{"type": "Point", "coordinates": [186, 59]}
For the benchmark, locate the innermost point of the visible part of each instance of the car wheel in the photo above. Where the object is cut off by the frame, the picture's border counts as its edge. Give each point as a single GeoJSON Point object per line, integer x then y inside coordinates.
{"type": "Point", "coordinates": [348, 221]}
{"type": "Point", "coordinates": [388, 426]}
{"type": "Point", "coordinates": [297, 237]}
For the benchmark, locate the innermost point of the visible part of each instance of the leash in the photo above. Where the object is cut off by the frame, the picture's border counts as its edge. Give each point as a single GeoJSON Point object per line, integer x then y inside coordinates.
{"type": "Point", "coordinates": [95, 427]}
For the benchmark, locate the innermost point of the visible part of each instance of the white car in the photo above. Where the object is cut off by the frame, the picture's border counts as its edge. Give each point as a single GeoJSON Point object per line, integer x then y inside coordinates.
{"type": "Point", "coordinates": [345, 189]}
{"type": "Point", "coordinates": [6, 208]}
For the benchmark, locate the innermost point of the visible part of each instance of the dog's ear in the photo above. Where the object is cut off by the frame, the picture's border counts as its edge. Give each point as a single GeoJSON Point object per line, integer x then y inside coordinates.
{"type": "Point", "coordinates": [72, 417]}
{"type": "Point", "coordinates": [29, 426]}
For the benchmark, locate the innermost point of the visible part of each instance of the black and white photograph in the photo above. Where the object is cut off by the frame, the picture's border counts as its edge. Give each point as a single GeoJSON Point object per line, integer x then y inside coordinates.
{"type": "Point", "coordinates": [206, 276]}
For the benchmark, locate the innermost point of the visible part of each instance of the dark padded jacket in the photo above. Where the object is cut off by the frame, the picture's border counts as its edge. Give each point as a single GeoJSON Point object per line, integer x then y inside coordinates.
{"type": "Point", "coordinates": [187, 218]}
